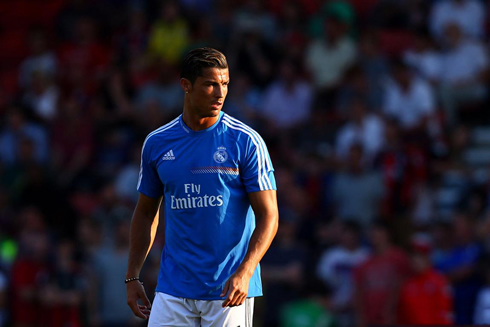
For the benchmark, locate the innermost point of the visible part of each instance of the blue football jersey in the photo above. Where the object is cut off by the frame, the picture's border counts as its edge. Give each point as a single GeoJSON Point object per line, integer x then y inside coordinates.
{"type": "Point", "coordinates": [205, 177]}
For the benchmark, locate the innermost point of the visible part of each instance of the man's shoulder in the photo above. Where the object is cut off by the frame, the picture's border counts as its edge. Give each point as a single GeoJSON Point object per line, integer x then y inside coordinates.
{"type": "Point", "coordinates": [162, 131]}
{"type": "Point", "coordinates": [239, 128]}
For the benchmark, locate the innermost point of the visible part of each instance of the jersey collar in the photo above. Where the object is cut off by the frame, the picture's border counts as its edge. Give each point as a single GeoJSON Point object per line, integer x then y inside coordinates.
{"type": "Point", "coordinates": [192, 133]}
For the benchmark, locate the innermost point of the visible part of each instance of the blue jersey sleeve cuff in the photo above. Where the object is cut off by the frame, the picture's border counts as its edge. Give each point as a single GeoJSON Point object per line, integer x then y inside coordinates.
{"type": "Point", "coordinates": [267, 183]}
{"type": "Point", "coordinates": [150, 194]}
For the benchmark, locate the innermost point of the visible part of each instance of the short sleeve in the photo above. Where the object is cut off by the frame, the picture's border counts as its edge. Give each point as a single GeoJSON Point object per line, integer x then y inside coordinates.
{"type": "Point", "coordinates": [256, 169]}
{"type": "Point", "coordinates": [149, 182]}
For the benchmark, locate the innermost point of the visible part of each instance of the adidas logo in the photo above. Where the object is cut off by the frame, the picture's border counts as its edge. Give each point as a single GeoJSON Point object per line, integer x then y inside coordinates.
{"type": "Point", "coordinates": [169, 155]}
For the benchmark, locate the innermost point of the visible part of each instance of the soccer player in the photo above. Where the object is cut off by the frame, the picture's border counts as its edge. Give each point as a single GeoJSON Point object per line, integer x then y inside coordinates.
{"type": "Point", "coordinates": [216, 179]}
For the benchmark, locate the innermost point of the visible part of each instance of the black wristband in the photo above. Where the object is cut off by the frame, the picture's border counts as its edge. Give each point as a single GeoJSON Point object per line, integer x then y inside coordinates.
{"type": "Point", "coordinates": [132, 279]}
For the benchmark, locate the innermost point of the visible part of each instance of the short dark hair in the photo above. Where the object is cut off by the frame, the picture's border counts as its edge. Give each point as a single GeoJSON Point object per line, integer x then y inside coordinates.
{"type": "Point", "coordinates": [200, 58]}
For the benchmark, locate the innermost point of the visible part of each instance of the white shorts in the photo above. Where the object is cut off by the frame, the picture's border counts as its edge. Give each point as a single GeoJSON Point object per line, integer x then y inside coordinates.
{"type": "Point", "coordinates": [171, 311]}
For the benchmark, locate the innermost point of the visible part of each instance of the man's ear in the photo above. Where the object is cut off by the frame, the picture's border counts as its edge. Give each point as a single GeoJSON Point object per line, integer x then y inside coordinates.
{"type": "Point", "coordinates": [186, 85]}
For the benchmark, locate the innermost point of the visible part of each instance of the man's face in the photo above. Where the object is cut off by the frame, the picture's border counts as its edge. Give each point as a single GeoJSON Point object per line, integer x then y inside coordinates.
{"type": "Point", "coordinates": [207, 94]}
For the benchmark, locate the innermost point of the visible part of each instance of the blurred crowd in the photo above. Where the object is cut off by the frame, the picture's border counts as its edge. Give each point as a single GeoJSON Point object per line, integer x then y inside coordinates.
{"type": "Point", "coordinates": [375, 113]}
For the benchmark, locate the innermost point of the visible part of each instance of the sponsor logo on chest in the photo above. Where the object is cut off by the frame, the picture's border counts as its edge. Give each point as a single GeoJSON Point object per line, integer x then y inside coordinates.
{"type": "Point", "coordinates": [195, 199]}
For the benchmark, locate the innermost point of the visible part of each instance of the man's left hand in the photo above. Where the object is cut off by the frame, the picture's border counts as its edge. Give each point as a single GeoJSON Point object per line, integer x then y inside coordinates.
{"type": "Point", "coordinates": [235, 290]}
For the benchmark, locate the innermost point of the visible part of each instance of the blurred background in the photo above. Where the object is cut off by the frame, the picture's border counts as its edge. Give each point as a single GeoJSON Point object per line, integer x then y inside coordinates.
{"type": "Point", "coordinates": [376, 117]}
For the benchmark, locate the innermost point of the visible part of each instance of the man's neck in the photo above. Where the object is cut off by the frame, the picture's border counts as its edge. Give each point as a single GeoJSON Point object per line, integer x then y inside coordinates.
{"type": "Point", "coordinates": [197, 123]}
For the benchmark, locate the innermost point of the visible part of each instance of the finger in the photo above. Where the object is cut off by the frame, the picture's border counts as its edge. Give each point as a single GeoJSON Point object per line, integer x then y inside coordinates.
{"type": "Point", "coordinates": [134, 307]}
{"type": "Point", "coordinates": [225, 288]}
{"type": "Point", "coordinates": [233, 300]}
{"type": "Point", "coordinates": [144, 299]}
{"type": "Point", "coordinates": [238, 298]}
{"type": "Point", "coordinates": [241, 299]}
{"type": "Point", "coordinates": [144, 309]}
{"type": "Point", "coordinates": [229, 298]}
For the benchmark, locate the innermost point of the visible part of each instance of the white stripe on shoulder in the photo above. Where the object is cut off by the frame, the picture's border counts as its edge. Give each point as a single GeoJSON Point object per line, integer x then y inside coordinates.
{"type": "Point", "coordinates": [161, 129]}
{"type": "Point", "coordinates": [259, 153]}
{"type": "Point", "coordinates": [259, 138]}
{"type": "Point", "coordinates": [263, 148]}
{"type": "Point", "coordinates": [262, 160]}
{"type": "Point", "coordinates": [157, 131]}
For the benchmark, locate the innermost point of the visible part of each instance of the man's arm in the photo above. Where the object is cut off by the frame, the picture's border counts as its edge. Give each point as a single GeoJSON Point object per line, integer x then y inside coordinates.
{"type": "Point", "coordinates": [143, 230]}
{"type": "Point", "coordinates": [264, 205]}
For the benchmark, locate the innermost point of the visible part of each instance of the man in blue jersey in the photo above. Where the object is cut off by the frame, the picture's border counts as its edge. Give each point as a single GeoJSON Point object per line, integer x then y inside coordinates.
{"type": "Point", "coordinates": [216, 179]}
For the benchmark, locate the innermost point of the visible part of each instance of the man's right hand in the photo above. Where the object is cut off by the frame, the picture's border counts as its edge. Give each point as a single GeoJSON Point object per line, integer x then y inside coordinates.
{"type": "Point", "coordinates": [136, 291]}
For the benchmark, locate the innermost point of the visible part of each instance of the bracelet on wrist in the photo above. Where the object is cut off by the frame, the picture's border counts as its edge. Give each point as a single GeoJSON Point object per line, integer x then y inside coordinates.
{"type": "Point", "coordinates": [132, 279]}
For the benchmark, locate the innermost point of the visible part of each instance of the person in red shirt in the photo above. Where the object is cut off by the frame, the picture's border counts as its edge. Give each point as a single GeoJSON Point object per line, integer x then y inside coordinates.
{"type": "Point", "coordinates": [425, 297]}
{"type": "Point", "coordinates": [378, 280]}
{"type": "Point", "coordinates": [27, 271]}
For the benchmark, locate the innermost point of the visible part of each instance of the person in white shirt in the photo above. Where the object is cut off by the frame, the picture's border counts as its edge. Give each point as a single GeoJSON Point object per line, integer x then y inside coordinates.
{"type": "Point", "coordinates": [328, 59]}
{"type": "Point", "coordinates": [287, 101]}
{"type": "Point", "coordinates": [463, 72]}
{"type": "Point", "coordinates": [423, 57]}
{"type": "Point", "coordinates": [408, 99]}
{"type": "Point", "coordinates": [363, 128]}
{"type": "Point", "coordinates": [469, 15]}
{"type": "Point", "coordinates": [336, 267]}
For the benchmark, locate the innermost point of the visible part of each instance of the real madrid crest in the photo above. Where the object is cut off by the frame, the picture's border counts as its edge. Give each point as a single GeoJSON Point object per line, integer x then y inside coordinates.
{"type": "Point", "coordinates": [220, 155]}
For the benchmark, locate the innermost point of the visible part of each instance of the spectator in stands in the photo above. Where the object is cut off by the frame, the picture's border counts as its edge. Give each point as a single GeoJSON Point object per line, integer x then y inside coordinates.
{"type": "Point", "coordinates": [340, 9]}
{"type": "Point", "coordinates": [378, 280]}
{"type": "Point", "coordinates": [169, 35]}
{"type": "Point", "coordinates": [425, 297]}
{"type": "Point", "coordinates": [62, 289]}
{"type": "Point", "coordinates": [459, 264]}
{"type": "Point", "coordinates": [112, 151]}
{"type": "Point", "coordinates": [481, 315]}
{"type": "Point", "coordinates": [469, 15]}
{"type": "Point", "coordinates": [164, 91]}
{"type": "Point", "coordinates": [403, 167]}
{"type": "Point", "coordinates": [243, 100]}
{"type": "Point", "coordinates": [42, 97]}
{"type": "Point", "coordinates": [423, 57]}
{"type": "Point", "coordinates": [132, 40]}
{"type": "Point", "coordinates": [328, 58]}
{"type": "Point", "coordinates": [110, 264]}
{"type": "Point", "coordinates": [128, 176]}
{"type": "Point", "coordinates": [364, 128]}
{"type": "Point", "coordinates": [84, 61]}
{"type": "Point", "coordinates": [311, 309]}
{"type": "Point", "coordinates": [16, 129]}
{"type": "Point", "coordinates": [73, 142]}
{"type": "Point", "coordinates": [464, 72]}
{"type": "Point", "coordinates": [253, 16]}
{"type": "Point", "coordinates": [357, 191]}
{"type": "Point", "coordinates": [253, 55]}
{"type": "Point", "coordinates": [283, 271]}
{"type": "Point", "coordinates": [336, 269]}
{"type": "Point", "coordinates": [109, 213]}
{"type": "Point", "coordinates": [409, 100]}
{"type": "Point", "coordinates": [287, 101]}
{"type": "Point", "coordinates": [41, 60]}
{"type": "Point", "coordinates": [375, 66]}
{"type": "Point", "coordinates": [31, 264]}
{"type": "Point", "coordinates": [452, 173]}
